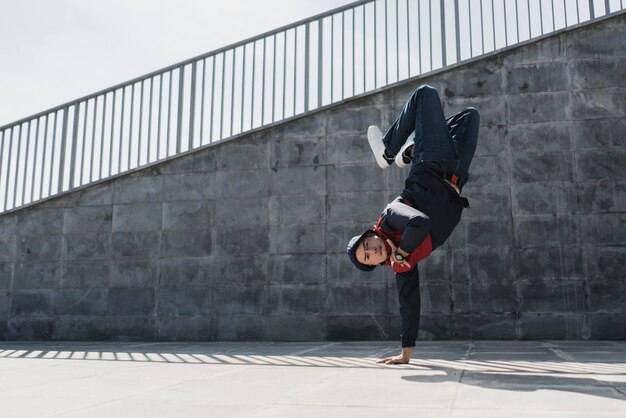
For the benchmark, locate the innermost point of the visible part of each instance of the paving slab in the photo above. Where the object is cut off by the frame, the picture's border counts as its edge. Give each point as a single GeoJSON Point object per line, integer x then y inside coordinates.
{"type": "Point", "coordinates": [452, 379]}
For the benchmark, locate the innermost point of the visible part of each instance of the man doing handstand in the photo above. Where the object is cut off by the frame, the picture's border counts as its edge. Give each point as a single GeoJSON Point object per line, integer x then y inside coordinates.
{"type": "Point", "coordinates": [428, 209]}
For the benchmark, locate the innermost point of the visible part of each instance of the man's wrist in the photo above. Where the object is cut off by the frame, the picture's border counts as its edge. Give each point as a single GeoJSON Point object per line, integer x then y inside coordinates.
{"type": "Point", "coordinates": [407, 352]}
{"type": "Point", "coordinates": [402, 252]}
{"type": "Point", "coordinates": [398, 258]}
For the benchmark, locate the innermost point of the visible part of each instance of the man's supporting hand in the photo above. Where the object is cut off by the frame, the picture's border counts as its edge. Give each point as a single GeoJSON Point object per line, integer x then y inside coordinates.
{"type": "Point", "coordinates": [403, 358]}
{"type": "Point", "coordinates": [395, 250]}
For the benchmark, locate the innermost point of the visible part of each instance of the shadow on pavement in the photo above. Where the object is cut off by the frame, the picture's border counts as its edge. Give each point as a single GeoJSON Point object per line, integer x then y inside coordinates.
{"type": "Point", "coordinates": [528, 381]}
{"type": "Point", "coordinates": [265, 355]}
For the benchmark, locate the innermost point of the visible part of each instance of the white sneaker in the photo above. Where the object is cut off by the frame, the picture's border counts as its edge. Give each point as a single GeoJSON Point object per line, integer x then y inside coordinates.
{"type": "Point", "coordinates": [375, 139]}
{"type": "Point", "coordinates": [401, 159]}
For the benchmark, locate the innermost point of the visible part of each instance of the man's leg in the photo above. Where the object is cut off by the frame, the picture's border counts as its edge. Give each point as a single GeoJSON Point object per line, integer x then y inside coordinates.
{"type": "Point", "coordinates": [464, 130]}
{"type": "Point", "coordinates": [423, 114]}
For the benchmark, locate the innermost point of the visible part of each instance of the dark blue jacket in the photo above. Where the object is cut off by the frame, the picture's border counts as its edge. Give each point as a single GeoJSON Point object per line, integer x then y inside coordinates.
{"type": "Point", "coordinates": [426, 191]}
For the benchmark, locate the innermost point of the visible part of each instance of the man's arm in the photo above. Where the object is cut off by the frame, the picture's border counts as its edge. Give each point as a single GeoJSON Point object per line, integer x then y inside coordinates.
{"type": "Point", "coordinates": [408, 288]}
{"type": "Point", "coordinates": [415, 224]}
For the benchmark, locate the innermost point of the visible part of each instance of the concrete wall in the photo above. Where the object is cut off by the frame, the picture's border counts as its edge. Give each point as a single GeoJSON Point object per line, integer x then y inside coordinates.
{"type": "Point", "coordinates": [246, 240]}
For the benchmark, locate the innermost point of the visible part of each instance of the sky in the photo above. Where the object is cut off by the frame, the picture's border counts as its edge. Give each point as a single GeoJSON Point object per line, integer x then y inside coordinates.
{"type": "Point", "coordinates": [52, 52]}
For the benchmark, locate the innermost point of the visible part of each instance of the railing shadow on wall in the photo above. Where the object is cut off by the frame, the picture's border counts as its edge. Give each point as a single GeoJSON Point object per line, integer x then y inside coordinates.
{"type": "Point", "coordinates": [276, 76]}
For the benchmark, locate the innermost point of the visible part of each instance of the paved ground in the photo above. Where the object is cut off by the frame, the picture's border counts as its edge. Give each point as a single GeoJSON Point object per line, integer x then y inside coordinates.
{"type": "Point", "coordinates": [445, 379]}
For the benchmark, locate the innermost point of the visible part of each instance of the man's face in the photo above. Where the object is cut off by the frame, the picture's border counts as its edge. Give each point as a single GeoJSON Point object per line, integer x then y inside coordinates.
{"type": "Point", "coordinates": [371, 251]}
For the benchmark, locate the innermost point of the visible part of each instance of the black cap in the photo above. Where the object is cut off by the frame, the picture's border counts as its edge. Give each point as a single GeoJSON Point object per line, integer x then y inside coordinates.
{"type": "Point", "coordinates": [353, 245]}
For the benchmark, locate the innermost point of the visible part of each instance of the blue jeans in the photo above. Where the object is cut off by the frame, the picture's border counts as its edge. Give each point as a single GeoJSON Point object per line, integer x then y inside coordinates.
{"type": "Point", "coordinates": [447, 145]}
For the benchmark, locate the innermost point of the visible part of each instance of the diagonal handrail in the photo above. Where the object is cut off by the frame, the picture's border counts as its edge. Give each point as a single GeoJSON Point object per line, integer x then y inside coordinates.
{"type": "Point", "coordinates": [277, 75]}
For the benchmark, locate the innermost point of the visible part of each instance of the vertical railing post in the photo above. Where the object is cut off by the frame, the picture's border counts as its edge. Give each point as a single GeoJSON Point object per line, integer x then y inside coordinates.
{"type": "Point", "coordinates": [223, 90]}
{"type": "Point", "coordinates": [332, 58]}
{"type": "Point", "coordinates": [192, 105]}
{"type": "Point", "coordinates": [54, 144]}
{"type": "Point", "coordinates": [592, 13]}
{"type": "Point", "coordinates": [386, 47]}
{"type": "Point", "coordinates": [43, 158]}
{"type": "Point", "coordinates": [353, 54]}
{"type": "Point", "coordinates": [232, 91]}
{"type": "Point", "coordinates": [408, 38]}
{"type": "Point", "coordinates": [343, 54]}
{"type": "Point", "coordinates": [607, 7]}
{"type": "Point", "coordinates": [2, 138]}
{"type": "Point", "coordinates": [140, 124]}
{"type": "Point", "coordinates": [375, 47]}
{"type": "Point", "coordinates": [119, 149]}
{"type": "Point", "coordinates": [159, 118]}
{"type": "Point", "coordinates": [203, 90]}
{"type": "Point", "coordinates": [529, 20]}
{"type": "Point", "coordinates": [251, 88]}
{"type": "Point", "coordinates": [442, 11]}
{"type": "Point", "coordinates": [541, 17]}
{"type": "Point", "coordinates": [66, 112]}
{"type": "Point", "coordinates": [273, 80]}
{"type": "Point", "coordinates": [35, 159]}
{"type": "Point", "coordinates": [482, 29]}
{"type": "Point", "coordinates": [517, 20]}
{"type": "Point", "coordinates": [243, 89]}
{"type": "Point", "coordinates": [74, 141]}
{"type": "Point", "coordinates": [84, 141]}
{"type": "Point", "coordinates": [457, 31]}
{"type": "Point", "coordinates": [213, 97]}
{"type": "Point", "coordinates": [17, 164]}
{"type": "Point", "coordinates": [93, 136]}
{"type": "Point", "coordinates": [179, 122]}
{"type": "Point", "coordinates": [307, 51]}
{"type": "Point", "coordinates": [104, 109]}
{"type": "Point", "coordinates": [493, 24]}
{"type": "Point", "coordinates": [430, 27]}
{"type": "Point", "coordinates": [284, 72]}
{"type": "Point", "coordinates": [112, 131]}
{"type": "Point", "coordinates": [320, 41]}
{"type": "Point", "coordinates": [150, 106]}
{"type": "Point", "coordinates": [262, 86]}
{"type": "Point", "coordinates": [26, 162]}
{"type": "Point", "coordinates": [471, 41]}
{"type": "Point", "coordinates": [295, 67]}
{"type": "Point", "coordinates": [506, 29]}
{"type": "Point", "coordinates": [130, 128]}
{"type": "Point", "coordinates": [9, 159]}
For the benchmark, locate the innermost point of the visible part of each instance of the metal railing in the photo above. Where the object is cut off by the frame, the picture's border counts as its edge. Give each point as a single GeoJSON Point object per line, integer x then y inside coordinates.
{"type": "Point", "coordinates": [289, 71]}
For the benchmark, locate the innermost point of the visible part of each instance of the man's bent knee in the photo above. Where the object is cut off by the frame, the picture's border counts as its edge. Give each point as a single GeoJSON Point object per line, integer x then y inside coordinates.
{"type": "Point", "coordinates": [472, 112]}
{"type": "Point", "coordinates": [425, 89]}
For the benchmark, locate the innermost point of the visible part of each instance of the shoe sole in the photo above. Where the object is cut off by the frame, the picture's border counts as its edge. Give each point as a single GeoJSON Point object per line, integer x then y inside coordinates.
{"type": "Point", "coordinates": [399, 159]}
{"type": "Point", "coordinates": [374, 138]}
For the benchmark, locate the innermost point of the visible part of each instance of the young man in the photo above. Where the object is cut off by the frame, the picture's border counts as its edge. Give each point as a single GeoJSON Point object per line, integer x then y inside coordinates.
{"type": "Point", "coordinates": [429, 207]}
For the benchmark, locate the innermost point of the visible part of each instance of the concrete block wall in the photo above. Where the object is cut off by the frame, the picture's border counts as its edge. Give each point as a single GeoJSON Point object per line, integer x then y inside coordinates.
{"type": "Point", "coordinates": [246, 240]}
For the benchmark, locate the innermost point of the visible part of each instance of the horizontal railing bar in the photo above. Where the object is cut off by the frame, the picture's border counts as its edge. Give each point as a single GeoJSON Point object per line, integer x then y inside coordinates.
{"type": "Point", "coordinates": [191, 60]}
